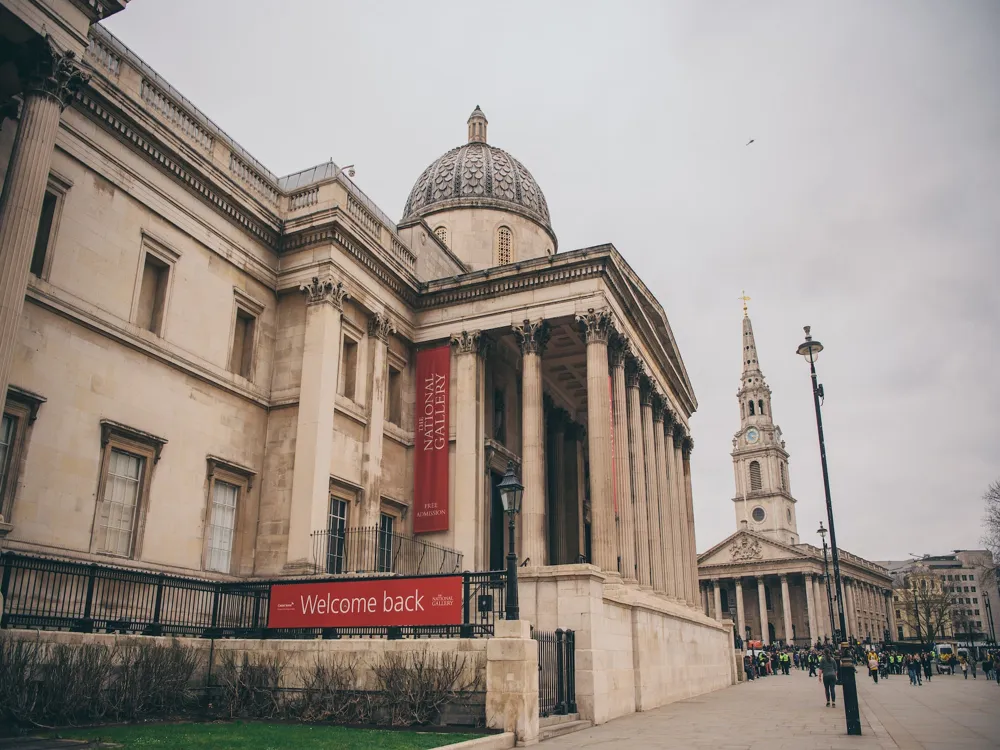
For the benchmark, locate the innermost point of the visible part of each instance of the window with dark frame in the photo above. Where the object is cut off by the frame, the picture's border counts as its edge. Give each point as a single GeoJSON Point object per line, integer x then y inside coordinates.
{"type": "Point", "coordinates": [241, 357]}
{"type": "Point", "coordinates": [152, 294]}
{"type": "Point", "coordinates": [337, 532]}
{"type": "Point", "coordinates": [386, 525]}
{"type": "Point", "coordinates": [222, 526]}
{"type": "Point", "coordinates": [43, 236]}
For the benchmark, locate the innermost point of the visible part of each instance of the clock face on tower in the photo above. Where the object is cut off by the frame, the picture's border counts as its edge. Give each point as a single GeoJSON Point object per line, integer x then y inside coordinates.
{"type": "Point", "coordinates": [752, 435]}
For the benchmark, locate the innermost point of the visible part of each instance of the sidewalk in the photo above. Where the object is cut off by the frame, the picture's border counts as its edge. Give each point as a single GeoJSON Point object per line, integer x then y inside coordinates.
{"type": "Point", "coordinates": [779, 713]}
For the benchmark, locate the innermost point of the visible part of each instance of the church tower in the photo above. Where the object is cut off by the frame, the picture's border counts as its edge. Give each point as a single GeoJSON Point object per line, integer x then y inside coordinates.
{"type": "Point", "coordinates": [763, 499]}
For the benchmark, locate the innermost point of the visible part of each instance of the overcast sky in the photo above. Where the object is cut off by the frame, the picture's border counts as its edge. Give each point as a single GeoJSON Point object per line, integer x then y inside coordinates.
{"type": "Point", "coordinates": [868, 205]}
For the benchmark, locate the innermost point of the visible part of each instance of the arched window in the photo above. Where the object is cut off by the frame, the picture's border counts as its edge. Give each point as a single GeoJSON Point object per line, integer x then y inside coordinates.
{"type": "Point", "coordinates": [505, 246]}
{"type": "Point", "coordinates": [760, 404]}
{"type": "Point", "coordinates": [442, 234]}
{"type": "Point", "coordinates": [751, 408]}
{"type": "Point", "coordinates": [755, 483]}
{"type": "Point", "coordinates": [742, 410]}
{"type": "Point", "coordinates": [784, 481]}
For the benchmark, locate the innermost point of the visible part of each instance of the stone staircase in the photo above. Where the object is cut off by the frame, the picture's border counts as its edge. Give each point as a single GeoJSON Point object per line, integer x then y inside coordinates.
{"type": "Point", "coordinates": [556, 726]}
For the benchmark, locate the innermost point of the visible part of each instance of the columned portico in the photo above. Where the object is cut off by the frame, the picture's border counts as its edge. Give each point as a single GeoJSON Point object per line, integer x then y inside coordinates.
{"type": "Point", "coordinates": [762, 606]}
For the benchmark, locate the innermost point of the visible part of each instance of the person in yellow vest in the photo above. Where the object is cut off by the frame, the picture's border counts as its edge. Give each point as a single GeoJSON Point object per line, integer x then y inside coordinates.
{"type": "Point", "coordinates": [873, 666]}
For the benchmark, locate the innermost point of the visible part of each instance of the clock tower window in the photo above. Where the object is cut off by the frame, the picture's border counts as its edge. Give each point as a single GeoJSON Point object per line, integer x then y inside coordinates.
{"type": "Point", "coordinates": [755, 483]}
{"type": "Point", "coordinates": [751, 408]}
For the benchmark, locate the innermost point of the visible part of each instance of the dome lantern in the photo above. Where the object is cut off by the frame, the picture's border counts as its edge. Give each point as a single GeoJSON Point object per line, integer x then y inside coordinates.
{"type": "Point", "coordinates": [477, 126]}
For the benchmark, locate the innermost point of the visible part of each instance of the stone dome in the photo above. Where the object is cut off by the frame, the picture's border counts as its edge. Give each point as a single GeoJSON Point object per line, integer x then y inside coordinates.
{"type": "Point", "coordinates": [477, 174]}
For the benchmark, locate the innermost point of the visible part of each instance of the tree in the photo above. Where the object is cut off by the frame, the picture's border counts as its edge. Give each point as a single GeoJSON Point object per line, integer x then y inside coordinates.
{"type": "Point", "coordinates": [991, 530]}
{"type": "Point", "coordinates": [924, 606]}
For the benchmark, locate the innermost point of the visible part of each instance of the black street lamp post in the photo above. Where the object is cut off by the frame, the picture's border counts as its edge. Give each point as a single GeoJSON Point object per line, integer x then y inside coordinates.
{"type": "Point", "coordinates": [511, 492]}
{"type": "Point", "coordinates": [826, 577]}
{"type": "Point", "coordinates": [991, 628]}
{"type": "Point", "coordinates": [810, 350]}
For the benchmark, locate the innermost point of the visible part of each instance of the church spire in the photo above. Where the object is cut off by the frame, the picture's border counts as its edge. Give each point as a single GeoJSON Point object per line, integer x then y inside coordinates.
{"type": "Point", "coordinates": [751, 367]}
{"type": "Point", "coordinates": [477, 126]}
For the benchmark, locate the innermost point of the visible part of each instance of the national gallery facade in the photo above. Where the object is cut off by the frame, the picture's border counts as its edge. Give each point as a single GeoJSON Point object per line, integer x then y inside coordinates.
{"type": "Point", "coordinates": [215, 370]}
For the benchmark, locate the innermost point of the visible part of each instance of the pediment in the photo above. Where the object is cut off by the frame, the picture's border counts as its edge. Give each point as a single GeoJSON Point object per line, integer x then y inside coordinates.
{"type": "Point", "coordinates": [747, 547]}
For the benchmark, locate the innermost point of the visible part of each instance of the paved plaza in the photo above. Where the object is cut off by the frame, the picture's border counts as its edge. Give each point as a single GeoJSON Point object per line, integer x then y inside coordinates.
{"type": "Point", "coordinates": [948, 713]}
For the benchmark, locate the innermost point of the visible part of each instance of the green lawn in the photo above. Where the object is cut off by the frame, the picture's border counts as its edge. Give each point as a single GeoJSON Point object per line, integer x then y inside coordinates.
{"type": "Point", "coordinates": [261, 736]}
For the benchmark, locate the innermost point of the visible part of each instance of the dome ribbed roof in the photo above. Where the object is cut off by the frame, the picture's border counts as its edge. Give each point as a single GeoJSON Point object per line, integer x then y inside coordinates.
{"type": "Point", "coordinates": [477, 174]}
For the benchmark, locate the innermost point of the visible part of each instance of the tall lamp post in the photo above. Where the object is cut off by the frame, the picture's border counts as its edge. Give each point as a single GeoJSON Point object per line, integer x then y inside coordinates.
{"type": "Point", "coordinates": [826, 577]}
{"type": "Point", "coordinates": [810, 350]}
{"type": "Point", "coordinates": [990, 627]}
{"type": "Point", "coordinates": [511, 492]}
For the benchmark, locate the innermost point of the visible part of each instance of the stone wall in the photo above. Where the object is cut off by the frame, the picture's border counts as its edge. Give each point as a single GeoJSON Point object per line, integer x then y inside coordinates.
{"type": "Point", "coordinates": [634, 650]}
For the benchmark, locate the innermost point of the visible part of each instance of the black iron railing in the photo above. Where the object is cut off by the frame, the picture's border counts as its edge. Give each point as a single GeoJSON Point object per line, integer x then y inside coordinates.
{"type": "Point", "coordinates": [375, 550]}
{"type": "Point", "coordinates": [556, 672]}
{"type": "Point", "coordinates": [46, 593]}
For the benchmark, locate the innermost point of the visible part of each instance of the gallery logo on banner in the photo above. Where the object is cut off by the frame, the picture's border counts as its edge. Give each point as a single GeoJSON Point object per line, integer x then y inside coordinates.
{"type": "Point", "coordinates": [435, 600]}
{"type": "Point", "coordinates": [430, 466]}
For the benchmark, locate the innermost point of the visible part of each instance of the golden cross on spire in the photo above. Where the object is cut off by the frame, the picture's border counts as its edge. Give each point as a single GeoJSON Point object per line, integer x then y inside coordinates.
{"type": "Point", "coordinates": [745, 300]}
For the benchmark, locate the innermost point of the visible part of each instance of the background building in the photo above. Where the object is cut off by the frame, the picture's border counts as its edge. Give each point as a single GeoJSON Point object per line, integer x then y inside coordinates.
{"type": "Point", "coordinates": [945, 597]}
{"type": "Point", "coordinates": [788, 599]}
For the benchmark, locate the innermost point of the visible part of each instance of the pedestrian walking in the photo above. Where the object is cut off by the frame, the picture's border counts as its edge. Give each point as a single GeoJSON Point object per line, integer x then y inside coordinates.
{"type": "Point", "coordinates": [873, 666]}
{"type": "Point", "coordinates": [913, 669]}
{"type": "Point", "coordinates": [964, 664]}
{"type": "Point", "coordinates": [828, 677]}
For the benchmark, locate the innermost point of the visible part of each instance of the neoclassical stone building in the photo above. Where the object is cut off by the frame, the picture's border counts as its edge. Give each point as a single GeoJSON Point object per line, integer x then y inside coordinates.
{"type": "Point", "coordinates": [763, 576]}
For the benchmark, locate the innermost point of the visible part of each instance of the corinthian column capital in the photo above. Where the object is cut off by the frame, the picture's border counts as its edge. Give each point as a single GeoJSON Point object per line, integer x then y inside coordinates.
{"type": "Point", "coordinates": [381, 326]}
{"type": "Point", "coordinates": [596, 324]}
{"type": "Point", "coordinates": [618, 350]}
{"type": "Point", "coordinates": [634, 371]}
{"type": "Point", "coordinates": [532, 336]}
{"type": "Point", "coordinates": [53, 73]}
{"type": "Point", "coordinates": [323, 290]}
{"type": "Point", "coordinates": [466, 342]}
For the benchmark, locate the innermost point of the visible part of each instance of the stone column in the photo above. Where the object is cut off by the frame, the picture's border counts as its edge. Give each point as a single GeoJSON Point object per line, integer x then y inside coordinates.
{"type": "Point", "coordinates": [762, 603]}
{"type": "Point", "coordinates": [469, 511]}
{"type": "Point", "coordinates": [653, 493]}
{"type": "Point", "coordinates": [811, 607]}
{"type": "Point", "coordinates": [674, 504]}
{"type": "Point", "coordinates": [533, 337]}
{"type": "Point", "coordinates": [891, 615]}
{"type": "Point", "coordinates": [682, 511]}
{"type": "Point", "coordinates": [379, 329]}
{"type": "Point", "coordinates": [692, 553]}
{"type": "Point", "coordinates": [717, 599]}
{"type": "Point", "coordinates": [852, 627]}
{"type": "Point", "coordinates": [310, 504]}
{"type": "Point", "coordinates": [786, 608]}
{"type": "Point", "coordinates": [822, 611]}
{"type": "Point", "coordinates": [52, 79]}
{"type": "Point", "coordinates": [558, 419]}
{"type": "Point", "coordinates": [597, 328]}
{"type": "Point", "coordinates": [741, 620]}
{"type": "Point", "coordinates": [637, 463]}
{"type": "Point", "coordinates": [623, 471]}
{"type": "Point", "coordinates": [671, 580]}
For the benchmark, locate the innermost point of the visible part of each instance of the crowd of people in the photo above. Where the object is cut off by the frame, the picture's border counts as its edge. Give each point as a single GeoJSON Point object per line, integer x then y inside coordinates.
{"type": "Point", "coordinates": [823, 662]}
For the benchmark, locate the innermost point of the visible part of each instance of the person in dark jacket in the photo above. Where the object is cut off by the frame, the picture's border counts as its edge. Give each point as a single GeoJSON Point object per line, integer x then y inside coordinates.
{"type": "Point", "coordinates": [828, 676]}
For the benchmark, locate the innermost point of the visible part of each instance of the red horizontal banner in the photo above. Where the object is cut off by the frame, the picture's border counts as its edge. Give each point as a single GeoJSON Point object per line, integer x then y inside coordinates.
{"type": "Point", "coordinates": [367, 603]}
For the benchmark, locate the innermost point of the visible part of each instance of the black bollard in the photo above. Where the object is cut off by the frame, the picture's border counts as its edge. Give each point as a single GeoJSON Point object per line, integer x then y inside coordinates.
{"type": "Point", "coordinates": [849, 687]}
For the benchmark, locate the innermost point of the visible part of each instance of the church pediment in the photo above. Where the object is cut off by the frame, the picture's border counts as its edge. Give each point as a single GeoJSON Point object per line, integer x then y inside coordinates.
{"type": "Point", "coordinates": [747, 547]}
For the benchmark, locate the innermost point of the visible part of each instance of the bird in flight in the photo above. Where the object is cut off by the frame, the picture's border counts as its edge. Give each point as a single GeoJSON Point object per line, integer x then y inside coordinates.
{"type": "Point", "coordinates": [749, 142]}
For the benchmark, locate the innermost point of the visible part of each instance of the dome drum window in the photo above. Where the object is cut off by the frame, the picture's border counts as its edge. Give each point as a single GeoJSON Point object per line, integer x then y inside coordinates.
{"type": "Point", "coordinates": [442, 234]}
{"type": "Point", "coordinates": [505, 246]}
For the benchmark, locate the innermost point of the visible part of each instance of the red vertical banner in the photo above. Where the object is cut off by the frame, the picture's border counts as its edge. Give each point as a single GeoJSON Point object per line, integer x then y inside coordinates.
{"type": "Point", "coordinates": [614, 466]}
{"type": "Point", "coordinates": [430, 466]}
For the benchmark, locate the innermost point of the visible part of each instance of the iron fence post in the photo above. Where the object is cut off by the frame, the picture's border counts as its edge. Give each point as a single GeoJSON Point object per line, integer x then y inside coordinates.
{"type": "Point", "coordinates": [216, 595]}
{"type": "Point", "coordinates": [571, 671]}
{"type": "Point", "coordinates": [4, 589]}
{"type": "Point", "coordinates": [88, 621]}
{"type": "Point", "coordinates": [158, 605]}
{"type": "Point", "coordinates": [560, 675]}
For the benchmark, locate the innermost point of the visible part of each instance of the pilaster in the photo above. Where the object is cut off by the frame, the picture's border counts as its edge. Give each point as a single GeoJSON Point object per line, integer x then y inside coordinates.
{"type": "Point", "coordinates": [533, 336]}
{"type": "Point", "coordinates": [380, 327]}
{"type": "Point", "coordinates": [52, 80]}
{"type": "Point", "coordinates": [314, 423]}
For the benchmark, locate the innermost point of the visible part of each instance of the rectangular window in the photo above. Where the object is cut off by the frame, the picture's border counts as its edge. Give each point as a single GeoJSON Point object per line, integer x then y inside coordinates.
{"type": "Point", "coordinates": [241, 357]}
{"type": "Point", "coordinates": [152, 294]}
{"type": "Point", "coordinates": [966, 588]}
{"type": "Point", "coordinates": [977, 611]}
{"type": "Point", "coordinates": [8, 429]}
{"type": "Point", "coordinates": [965, 578]}
{"type": "Point", "coordinates": [337, 532]}
{"type": "Point", "coordinates": [222, 526]}
{"type": "Point", "coordinates": [973, 589]}
{"type": "Point", "coordinates": [898, 613]}
{"type": "Point", "coordinates": [394, 398]}
{"type": "Point", "coordinates": [349, 369]}
{"type": "Point", "coordinates": [120, 503]}
{"type": "Point", "coordinates": [43, 237]}
{"type": "Point", "coordinates": [385, 542]}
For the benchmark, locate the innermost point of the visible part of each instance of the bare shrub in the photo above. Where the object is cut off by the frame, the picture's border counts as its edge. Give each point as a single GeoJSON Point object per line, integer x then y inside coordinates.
{"type": "Point", "coordinates": [330, 693]}
{"type": "Point", "coordinates": [250, 687]}
{"type": "Point", "coordinates": [414, 686]}
{"type": "Point", "coordinates": [151, 680]}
